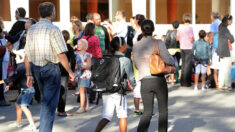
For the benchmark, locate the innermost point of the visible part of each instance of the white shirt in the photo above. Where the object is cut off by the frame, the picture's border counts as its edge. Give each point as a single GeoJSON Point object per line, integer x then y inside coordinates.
{"type": "Point", "coordinates": [121, 28]}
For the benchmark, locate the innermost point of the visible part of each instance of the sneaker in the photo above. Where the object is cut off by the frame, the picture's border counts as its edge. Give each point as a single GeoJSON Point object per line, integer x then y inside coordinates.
{"type": "Point", "coordinates": [195, 88]}
{"type": "Point", "coordinates": [15, 124]}
{"type": "Point", "coordinates": [30, 128]}
{"type": "Point", "coordinates": [138, 113]}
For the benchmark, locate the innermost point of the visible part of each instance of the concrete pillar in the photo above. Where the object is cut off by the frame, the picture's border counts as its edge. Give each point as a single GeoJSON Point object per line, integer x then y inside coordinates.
{"type": "Point", "coordinates": [139, 7]}
{"type": "Point", "coordinates": [64, 11]}
{"type": "Point", "coordinates": [193, 12]}
{"type": "Point", "coordinates": [14, 4]}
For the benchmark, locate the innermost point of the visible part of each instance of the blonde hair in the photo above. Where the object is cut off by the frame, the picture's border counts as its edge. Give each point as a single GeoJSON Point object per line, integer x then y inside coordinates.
{"type": "Point", "coordinates": [84, 41]}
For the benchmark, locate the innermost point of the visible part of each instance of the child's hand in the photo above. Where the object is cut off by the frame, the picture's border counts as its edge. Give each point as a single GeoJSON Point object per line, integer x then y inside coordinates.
{"type": "Point", "coordinates": [7, 88]}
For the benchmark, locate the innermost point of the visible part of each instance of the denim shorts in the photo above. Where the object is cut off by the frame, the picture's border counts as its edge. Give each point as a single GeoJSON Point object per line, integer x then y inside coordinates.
{"type": "Point", "coordinates": [25, 97]}
{"type": "Point", "coordinates": [84, 83]}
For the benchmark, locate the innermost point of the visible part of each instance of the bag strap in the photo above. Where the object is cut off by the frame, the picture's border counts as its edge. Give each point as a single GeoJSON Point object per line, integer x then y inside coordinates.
{"type": "Point", "coordinates": [155, 43]}
{"type": "Point", "coordinates": [1, 42]}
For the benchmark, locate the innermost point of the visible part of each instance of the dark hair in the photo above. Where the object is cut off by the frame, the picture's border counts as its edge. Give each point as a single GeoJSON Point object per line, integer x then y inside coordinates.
{"type": "Point", "coordinates": [45, 9]}
{"type": "Point", "coordinates": [147, 27]}
{"type": "Point", "coordinates": [66, 35]}
{"type": "Point", "coordinates": [225, 20]}
{"type": "Point", "coordinates": [215, 15]}
{"type": "Point", "coordinates": [115, 44]}
{"type": "Point", "coordinates": [175, 24]}
{"type": "Point", "coordinates": [89, 16]}
{"type": "Point", "coordinates": [140, 18]}
{"type": "Point", "coordinates": [21, 11]}
{"type": "Point", "coordinates": [202, 34]}
{"type": "Point", "coordinates": [89, 29]}
{"type": "Point", "coordinates": [32, 21]}
{"type": "Point", "coordinates": [0, 30]}
{"type": "Point", "coordinates": [187, 18]}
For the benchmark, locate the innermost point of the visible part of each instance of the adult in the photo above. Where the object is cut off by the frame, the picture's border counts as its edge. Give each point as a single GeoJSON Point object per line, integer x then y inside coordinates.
{"type": "Point", "coordinates": [71, 31]}
{"type": "Point", "coordinates": [173, 47]}
{"type": "Point", "coordinates": [151, 86]}
{"type": "Point", "coordinates": [78, 31]}
{"type": "Point", "coordinates": [44, 49]}
{"type": "Point", "coordinates": [4, 59]}
{"type": "Point", "coordinates": [101, 33]}
{"type": "Point", "coordinates": [89, 18]}
{"type": "Point", "coordinates": [185, 37]}
{"type": "Point", "coordinates": [137, 95]}
{"type": "Point", "coordinates": [19, 24]}
{"type": "Point", "coordinates": [214, 29]}
{"type": "Point", "coordinates": [65, 77]}
{"type": "Point", "coordinates": [224, 52]}
{"type": "Point", "coordinates": [139, 18]}
{"type": "Point", "coordinates": [93, 41]}
{"type": "Point", "coordinates": [120, 27]}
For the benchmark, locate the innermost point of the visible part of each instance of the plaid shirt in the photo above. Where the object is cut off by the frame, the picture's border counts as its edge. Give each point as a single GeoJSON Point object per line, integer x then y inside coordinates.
{"type": "Point", "coordinates": [44, 42]}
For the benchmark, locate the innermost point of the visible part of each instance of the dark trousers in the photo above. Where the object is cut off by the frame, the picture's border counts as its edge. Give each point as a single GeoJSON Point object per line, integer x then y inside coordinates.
{"type": "Point", "coordinates": [186, 68]}
{"type": "Point", "coordinates": [1, 85]}
{"type": "Point", "coordinates": [63, 94]}
{"type": "Point", "coordinates": [49, 80]}
{"type": "Point", "coordinates": [151, 87]}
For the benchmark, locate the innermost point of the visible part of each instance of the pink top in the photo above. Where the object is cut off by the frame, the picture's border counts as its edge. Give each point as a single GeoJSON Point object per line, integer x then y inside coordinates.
{"type": "Point", "coordinates": [93, 46]}
{"type": "Point", "coordinates": [185, 37]}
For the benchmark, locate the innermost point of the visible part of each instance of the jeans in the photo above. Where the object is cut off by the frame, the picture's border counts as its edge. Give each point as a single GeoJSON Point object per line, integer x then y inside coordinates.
{"type": "Point", "coordinates": [186, 67]}
{"type": "Point", "coordinates": [63, 94]}
{"type": "Point", "coordinates": [49, 80]}
{"type": "Point", "coordinates": [149, 88]}
{"type": "Point", "coordinates": [225, 72]}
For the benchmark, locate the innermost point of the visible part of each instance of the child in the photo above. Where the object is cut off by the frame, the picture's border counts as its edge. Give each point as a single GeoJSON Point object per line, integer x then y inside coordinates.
{"type": "Point", "coordinates": [117, 101]}
{"type": "Point", "coordinates": [83, 66]}
{"type": "Point", "coordinates": [202, 56]}
{"type": "Point", "coordinates": [26, 94]}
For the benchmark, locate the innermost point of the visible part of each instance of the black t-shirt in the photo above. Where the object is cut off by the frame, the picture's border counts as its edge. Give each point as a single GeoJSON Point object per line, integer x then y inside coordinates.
{"type": "Point", "coordinates": [17, 27]}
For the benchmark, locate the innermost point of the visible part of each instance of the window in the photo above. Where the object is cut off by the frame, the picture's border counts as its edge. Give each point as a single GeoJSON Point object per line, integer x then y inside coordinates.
{"type": "Point", "coordinates": [5, 10]}
{"type": "Point", "coordinates": [33, 8]}
{"type": "Point", "coordinates": [170, 10]}
{"type": "Point", "coordinates": [125, 5]}
{"type": "Point", "coordinates": [80, 8]}
{"type": "Point", "coordinates": [205, 7]}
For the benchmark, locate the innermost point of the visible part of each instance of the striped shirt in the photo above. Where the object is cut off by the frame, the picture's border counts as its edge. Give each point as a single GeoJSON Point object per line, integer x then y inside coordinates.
{"type": "Point", "coordinates": [44, 42]}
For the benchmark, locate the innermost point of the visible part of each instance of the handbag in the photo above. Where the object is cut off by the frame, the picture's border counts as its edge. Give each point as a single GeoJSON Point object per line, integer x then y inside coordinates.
{"type": "Point", "coordinates": [157, 65]}
{"type": "Point", "coordinates": [2, 49]}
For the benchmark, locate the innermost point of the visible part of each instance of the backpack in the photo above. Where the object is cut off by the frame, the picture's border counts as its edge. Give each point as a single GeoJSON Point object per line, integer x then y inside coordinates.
{"type": "Point", "coordinates": [130, 35]}
{"type": "Point", "coordinates": [106, 74]}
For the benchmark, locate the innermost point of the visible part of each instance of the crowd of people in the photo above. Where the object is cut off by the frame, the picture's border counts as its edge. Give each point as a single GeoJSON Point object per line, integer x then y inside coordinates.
{"type": "Point", "coordinates": [41, 61]}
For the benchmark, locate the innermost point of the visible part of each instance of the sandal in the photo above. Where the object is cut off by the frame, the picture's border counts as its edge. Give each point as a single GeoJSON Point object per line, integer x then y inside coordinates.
{"type": "Point", "coordinates": [79, 111]}
{"type": "Point", "coordinates": [64, 114]}
{"type": "Point", "coordinates": [87, 109]}
{"type": "Point", "coordinates": [228, 89]}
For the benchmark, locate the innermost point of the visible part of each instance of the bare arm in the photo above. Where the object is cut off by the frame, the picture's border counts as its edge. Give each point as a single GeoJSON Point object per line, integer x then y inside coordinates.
{"type": "Point", "coordinates": [64, 61]}
{"type": "Point", "coordinates": [211, 38]}
{"type": "Point", "coordinates": [28, 73]}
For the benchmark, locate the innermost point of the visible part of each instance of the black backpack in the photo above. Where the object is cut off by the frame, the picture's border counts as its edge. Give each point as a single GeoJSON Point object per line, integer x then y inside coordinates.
{"type": "Point", "coordinates": [130, 35]}
{"type": "Point", "coordinates": [106, 74]}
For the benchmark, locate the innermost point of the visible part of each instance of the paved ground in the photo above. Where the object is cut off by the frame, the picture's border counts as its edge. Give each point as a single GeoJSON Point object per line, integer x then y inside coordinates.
{"type": "Point", "coordinates": [189, 111]}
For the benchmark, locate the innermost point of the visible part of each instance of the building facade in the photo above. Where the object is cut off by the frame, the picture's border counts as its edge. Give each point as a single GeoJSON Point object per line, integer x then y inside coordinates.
{"type": "Point", "coordinates": [162, 12]}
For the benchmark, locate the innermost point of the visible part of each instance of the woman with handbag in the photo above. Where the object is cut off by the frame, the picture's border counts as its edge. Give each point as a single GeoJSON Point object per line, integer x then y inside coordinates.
{"type": "Point", "coordinates": [151, 85]}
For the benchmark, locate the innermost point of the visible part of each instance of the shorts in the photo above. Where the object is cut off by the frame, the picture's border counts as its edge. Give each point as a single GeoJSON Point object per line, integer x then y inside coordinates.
{"type": "Point", "coordinates": [201, 68]}
{"type": "Point", "coordinates": [25, 97]}
{"type": "Point", "coordinates": [112, 101]}
{"type": "Point", "coordinates": [84, 83]}
{"type": "Point", "coordinates": [215, 60]}
{"type": "Point", "coordinates": [136, 91]}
